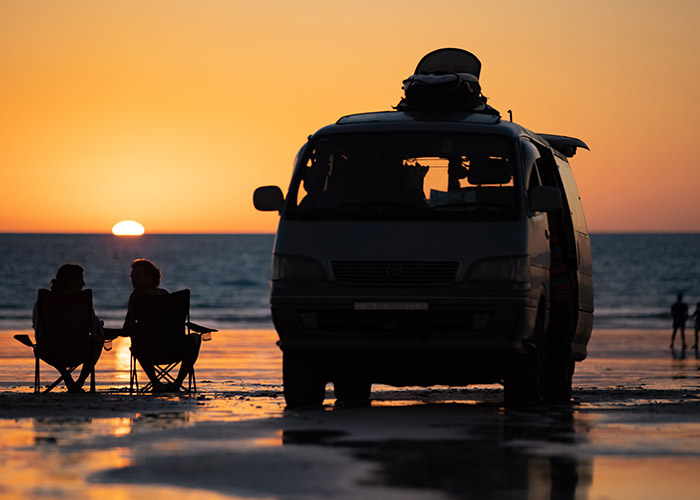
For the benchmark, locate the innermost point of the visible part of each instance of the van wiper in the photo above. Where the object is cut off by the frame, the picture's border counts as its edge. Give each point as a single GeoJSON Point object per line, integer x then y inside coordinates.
{"type": "Point", "coordinates": [471, 206]}
{"type": "Point", "coordinates": [370, 206]}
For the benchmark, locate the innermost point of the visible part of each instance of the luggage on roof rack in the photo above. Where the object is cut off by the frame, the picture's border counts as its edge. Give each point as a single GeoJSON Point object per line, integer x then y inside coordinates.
{"type": "Point", "coordinates": [444, 92]}
{"type": "Point", "coordinates": [449, 61]}
{"type": "Point", "coordinates": [445, 80]}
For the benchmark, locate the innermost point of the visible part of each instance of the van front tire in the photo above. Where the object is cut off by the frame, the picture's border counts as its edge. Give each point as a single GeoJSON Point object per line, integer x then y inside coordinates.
{"type": "Point", "coordinates": [522, 383]}
{"type": "Point", "coordinates": [304, 385]}
{"type": "Point", "coordinates": [559, 379]}
{"type": "Point", "coordinates": [524, 378]}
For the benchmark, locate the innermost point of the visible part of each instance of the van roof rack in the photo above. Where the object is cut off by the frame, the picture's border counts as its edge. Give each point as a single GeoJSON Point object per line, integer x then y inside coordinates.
{"type": "Point", "coordinates": [477, 117]}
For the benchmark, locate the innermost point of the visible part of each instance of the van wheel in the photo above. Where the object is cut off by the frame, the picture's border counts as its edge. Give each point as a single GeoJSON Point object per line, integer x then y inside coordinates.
{"type": "Point", "coordinates": [560, 364]}
{"type": "Point", "coordinates": [523, 382]}
{"type": "Point", "coordinates": [304, 384]}
{"type": "Point", "coordinates": [349, 390]}
{"type": "Point", "coordinates": [560, 373]}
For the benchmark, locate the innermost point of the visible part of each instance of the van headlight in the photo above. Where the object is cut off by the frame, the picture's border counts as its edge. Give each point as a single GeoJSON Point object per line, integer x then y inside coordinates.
{"type": "Point", "coordinates": [297, 268]}
{"type": "Point", "coordinates": [512, 269]}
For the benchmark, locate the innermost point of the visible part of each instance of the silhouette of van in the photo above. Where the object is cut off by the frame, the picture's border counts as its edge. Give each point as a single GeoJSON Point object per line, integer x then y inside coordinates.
{"type": "Point", "coordinates": [436, 244]}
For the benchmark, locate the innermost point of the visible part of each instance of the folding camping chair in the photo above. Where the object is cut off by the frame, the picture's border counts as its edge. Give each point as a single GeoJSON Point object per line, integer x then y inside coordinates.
{"type": "Point", "coordinates": [162, 337]}
{"type": "Point", "coordinates": [65, 323]}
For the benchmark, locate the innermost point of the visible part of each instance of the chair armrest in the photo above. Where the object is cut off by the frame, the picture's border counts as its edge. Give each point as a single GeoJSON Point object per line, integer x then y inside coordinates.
{"type": "Point", "coordinates": [199, 328]}
{"type": "Point", "coordinates": [113, 333]}
{"type": "Point", "coordinates": [25, 339]}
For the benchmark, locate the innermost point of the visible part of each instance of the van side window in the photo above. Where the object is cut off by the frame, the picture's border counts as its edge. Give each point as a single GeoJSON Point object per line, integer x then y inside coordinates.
{"type": "Point", "coordinates": [534, 176]}
{"type": "Point", "coordinates": [562, 241]}
{"type": "Point", "coordinates": [547, 170]}
{"type": "Point", "coordinates": [531, 161]}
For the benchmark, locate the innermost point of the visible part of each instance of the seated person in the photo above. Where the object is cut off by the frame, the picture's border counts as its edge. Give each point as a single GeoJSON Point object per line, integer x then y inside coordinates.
{"type": "Point", "coordinates": [145, 278]}
{"type": "Point", "coordinates": [69, 279]}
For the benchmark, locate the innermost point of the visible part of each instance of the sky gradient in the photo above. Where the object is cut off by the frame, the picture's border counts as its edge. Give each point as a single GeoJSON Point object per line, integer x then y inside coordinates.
{"type": "Point", "coordinates": [171, 113]}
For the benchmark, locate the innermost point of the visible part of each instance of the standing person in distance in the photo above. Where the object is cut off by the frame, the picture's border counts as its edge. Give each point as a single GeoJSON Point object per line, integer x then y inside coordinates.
{"type": "Point", "coordinates": [696, 316]}
{"type": "Point", "coordinates": [679, 313]}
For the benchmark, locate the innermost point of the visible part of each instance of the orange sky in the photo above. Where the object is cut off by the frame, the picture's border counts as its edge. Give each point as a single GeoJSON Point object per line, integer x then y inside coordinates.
{"type": "Point", "coordinates": [170, 113]}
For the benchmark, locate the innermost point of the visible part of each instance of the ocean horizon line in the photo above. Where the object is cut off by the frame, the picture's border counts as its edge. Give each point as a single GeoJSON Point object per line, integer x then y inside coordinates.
{"type": "Point", "coordinates": [148, 233]}
{"type": "Point", "coordinates": [261, 233]}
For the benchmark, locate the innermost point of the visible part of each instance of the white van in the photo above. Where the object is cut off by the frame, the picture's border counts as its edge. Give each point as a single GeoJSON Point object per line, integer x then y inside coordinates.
{"type": "Point", "coordinates": [430, 247]}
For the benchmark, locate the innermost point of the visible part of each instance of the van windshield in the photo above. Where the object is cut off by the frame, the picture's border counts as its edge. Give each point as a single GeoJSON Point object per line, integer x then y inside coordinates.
{"type": "Point", "coordinates": [404, 176]}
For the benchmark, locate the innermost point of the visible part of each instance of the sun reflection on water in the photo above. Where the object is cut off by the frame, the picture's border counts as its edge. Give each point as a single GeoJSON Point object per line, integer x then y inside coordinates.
{"type": "Point", "coordinates": [270, 441]}
{"type": "Point", "coordinates": [122, 353]}
{"type": "Point", "coordinates": [121, 426]}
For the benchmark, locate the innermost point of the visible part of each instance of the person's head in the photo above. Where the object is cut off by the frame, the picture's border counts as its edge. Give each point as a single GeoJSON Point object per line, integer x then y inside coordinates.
{"type": "Point", "coordinates": [680, 297]}
{"type": "Point", "coordinates": [69, 278]}
{"type": "Point", "coordinates": [144, 274]}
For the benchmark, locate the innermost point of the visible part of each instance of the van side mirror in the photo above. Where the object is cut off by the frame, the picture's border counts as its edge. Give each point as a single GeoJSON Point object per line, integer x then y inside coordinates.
{"type": "Point", "coordinates": [268, 198]}
{"type": "Point", "coordinates": [545, 199]}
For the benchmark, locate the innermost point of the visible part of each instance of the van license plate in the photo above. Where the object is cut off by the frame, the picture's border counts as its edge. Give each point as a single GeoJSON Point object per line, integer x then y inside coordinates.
{"type": "Point", "coordinates": [391, 306]}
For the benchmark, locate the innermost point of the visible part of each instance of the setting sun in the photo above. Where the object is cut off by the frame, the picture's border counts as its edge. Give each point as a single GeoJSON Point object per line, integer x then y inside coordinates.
{"type": "Point", "coordinates": [127, 228]}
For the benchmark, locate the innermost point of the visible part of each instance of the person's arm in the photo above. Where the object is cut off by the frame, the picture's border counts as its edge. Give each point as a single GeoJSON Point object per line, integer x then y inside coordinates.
{"type": "Point", "coordinates": [97, 324]}
{"type": "Point", "coordinates": [129, 324]}
{"type": "Point", "coordinates": [129, 319]}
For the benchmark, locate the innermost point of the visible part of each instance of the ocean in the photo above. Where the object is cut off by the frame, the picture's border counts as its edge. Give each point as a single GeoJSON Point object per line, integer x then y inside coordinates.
{"type": "Point", "coordinates": [228, 275]}
{"type": "Point", "coordinates": [636, 276]}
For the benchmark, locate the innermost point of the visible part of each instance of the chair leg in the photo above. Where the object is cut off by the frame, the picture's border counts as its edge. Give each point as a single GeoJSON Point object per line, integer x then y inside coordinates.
{"type": "Point", "coordinates": [133, 378]}
{"type": "Point", "coordinates": [164, 374]}
{"type": "Point", "coordinates": [37, 376]}
{"type": "Point", "coordinates": [51, 387]}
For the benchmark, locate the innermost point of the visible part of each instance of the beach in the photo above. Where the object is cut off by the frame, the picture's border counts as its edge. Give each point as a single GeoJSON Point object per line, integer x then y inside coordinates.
{"type": "Point", "coordinates": [632, 431]}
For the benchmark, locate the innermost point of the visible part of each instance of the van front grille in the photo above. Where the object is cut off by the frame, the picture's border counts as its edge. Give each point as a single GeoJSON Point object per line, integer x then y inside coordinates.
{"type": "Point", "coordinates": [395, 273]}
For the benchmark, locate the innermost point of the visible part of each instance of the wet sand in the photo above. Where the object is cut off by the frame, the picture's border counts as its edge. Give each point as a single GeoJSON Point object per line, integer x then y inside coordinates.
{"type": "Point", "coordinates": [632, 431]}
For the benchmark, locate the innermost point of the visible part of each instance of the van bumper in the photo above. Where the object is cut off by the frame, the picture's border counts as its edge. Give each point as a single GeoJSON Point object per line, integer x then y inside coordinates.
{"type": "Point", "coordinates": [453, 341]}
{"type": "Point", "coordinates": [494, 322]}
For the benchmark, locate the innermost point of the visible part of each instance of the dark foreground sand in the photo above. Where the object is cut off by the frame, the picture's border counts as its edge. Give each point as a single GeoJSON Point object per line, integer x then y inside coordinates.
{"type": "Point", "coordinates": [632, 431]}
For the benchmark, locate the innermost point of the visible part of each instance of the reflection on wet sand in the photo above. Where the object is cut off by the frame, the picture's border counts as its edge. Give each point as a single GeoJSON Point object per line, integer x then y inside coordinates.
{"type": "Point", "coordinates": [632, 428]}
{"type": "Point", "coordinates": [491, 454]}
